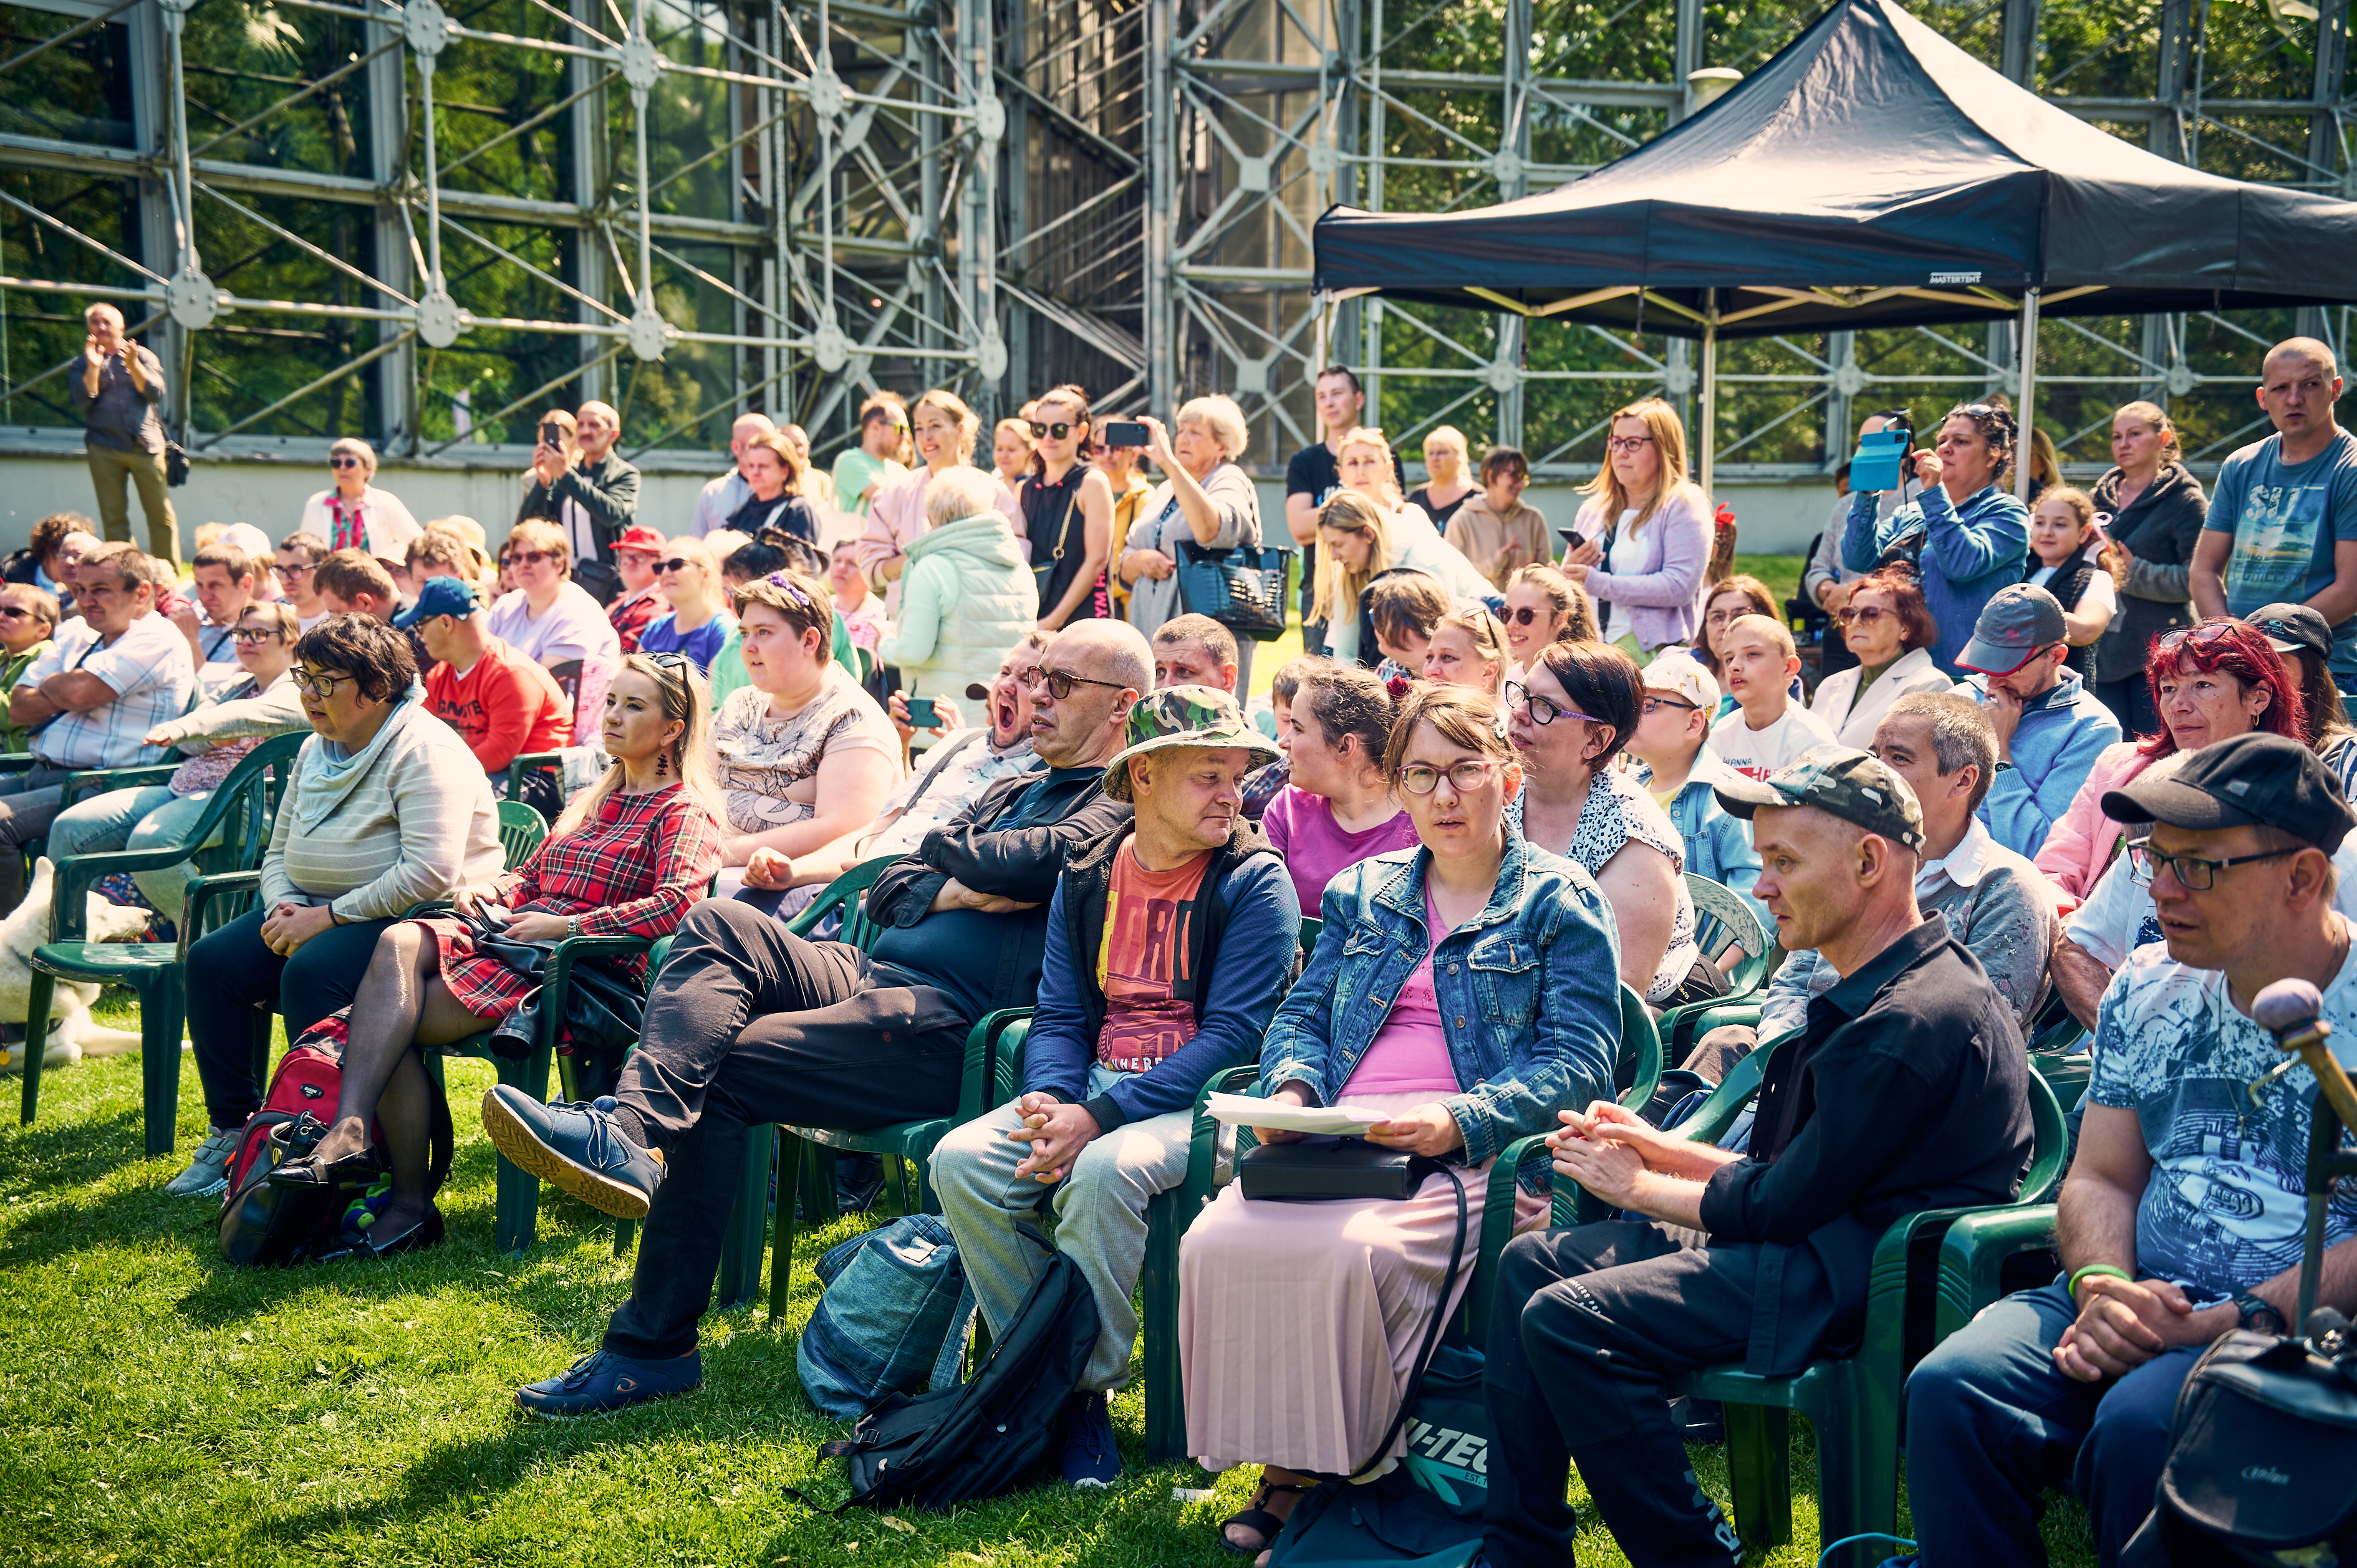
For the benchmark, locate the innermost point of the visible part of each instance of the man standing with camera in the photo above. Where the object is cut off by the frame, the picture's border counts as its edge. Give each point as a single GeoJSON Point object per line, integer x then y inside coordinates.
{"type": "Point", "coordinates": [119, 389]}
{"type": "Point", "coordinates": [2182, 1217]}
{"type": "Point", "coordinates": [592, 497]}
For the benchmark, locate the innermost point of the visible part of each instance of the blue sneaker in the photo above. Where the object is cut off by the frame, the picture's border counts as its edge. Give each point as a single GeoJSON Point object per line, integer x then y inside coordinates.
{"type": "Point", "coordinates": [577, 1146]}
{"type": "Point", "coordinates": [599, 1384]}
{"type": "Point", "coordinates": [1089, 1457]}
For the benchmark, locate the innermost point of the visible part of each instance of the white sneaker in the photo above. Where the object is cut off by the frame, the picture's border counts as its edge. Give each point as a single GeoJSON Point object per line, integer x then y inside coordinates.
{"type": "Point", "coordinates": [208, 1173]}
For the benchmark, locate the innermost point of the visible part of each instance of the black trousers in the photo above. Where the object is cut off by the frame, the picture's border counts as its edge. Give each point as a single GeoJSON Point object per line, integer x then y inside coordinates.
{"type": "Point", "coordinates": [749, 1025]}
{"type": "Point", "coordinates": [231, 973]}
{"type": "Point", "coordinates": [1591, 1324]}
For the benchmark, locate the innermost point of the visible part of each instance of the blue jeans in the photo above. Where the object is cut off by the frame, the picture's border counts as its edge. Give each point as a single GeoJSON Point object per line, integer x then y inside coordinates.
{"type": "Point", "coordinates": [1992, 1423]}
{"type": "Point", "coordinates": [151, 817]}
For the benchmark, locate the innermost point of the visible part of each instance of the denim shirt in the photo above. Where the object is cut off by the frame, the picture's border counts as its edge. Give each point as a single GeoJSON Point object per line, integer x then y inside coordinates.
{"type": "Point", "coordinates": [1529, 991]}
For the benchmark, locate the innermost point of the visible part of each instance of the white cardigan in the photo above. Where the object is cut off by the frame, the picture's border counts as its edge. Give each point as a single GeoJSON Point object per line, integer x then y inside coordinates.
{"type": "Point", "coordinates": [1911, 671]}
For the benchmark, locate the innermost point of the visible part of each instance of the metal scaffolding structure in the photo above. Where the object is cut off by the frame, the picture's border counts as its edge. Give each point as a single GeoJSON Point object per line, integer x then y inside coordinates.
{"type": "Point", "coordinates": [426, 222]}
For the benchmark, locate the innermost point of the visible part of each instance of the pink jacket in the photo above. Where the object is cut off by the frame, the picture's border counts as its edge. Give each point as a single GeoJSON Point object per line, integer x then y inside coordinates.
{"type": "Point", "coordinates": [2079, 847]}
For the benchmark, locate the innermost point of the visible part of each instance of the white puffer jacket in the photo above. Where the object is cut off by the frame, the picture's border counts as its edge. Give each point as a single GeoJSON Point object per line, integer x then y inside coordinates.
{"type": "Point", "coordinates": [965, 599]}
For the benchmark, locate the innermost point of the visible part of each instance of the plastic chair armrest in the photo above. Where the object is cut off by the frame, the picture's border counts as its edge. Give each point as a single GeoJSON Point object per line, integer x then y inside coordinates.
{"type": "Point", "coordinates": [203, 890]}
{"type": "Point", "coordinates": [1203, 1137]}
{"type": "Point", "coordinates": [1972, 1255]}
{"type": "Point", "coordinates": [99, 781]}
{"type": "Point", "coordinates": [978, 1080]}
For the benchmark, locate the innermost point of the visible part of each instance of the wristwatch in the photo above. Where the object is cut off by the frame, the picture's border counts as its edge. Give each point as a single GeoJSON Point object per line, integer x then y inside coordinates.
{"type": "Point", "coordinates": [2260, 1316]}
{"type": "Point", "coordinates": [572, 925]}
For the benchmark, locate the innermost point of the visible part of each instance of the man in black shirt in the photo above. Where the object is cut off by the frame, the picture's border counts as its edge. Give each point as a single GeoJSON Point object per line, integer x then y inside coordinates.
{"type": "Point", "coordinates": [1907, 1090]}
{"type": "Point", "coordinates": [1313, 474]}
{"type": "Point", "coordinates": [749, 1023]}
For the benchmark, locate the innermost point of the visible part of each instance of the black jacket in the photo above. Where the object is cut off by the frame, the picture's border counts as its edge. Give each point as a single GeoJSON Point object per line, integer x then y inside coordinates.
{"type": "Point", "coordinates": [2160, 529]}
{"type": "Point", "coordinates": [1019, 863]}
{"type": "Point", "coordinates": [607, 490]}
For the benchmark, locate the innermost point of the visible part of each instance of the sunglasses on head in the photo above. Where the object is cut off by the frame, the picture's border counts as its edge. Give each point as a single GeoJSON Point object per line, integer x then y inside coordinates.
{"type": "Point", "coordinates": [2196, 636]}
{"type": "Point", "coordinates": [1057, 431]}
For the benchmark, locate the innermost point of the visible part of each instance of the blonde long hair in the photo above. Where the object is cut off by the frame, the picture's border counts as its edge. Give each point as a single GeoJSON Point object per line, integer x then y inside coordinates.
{"type": "Point", "coordinates": [1338, 586]}
{"type": "Point", "coordinates": [1669, 434]}
{"type": "Point", "coordinates": [686, 698]}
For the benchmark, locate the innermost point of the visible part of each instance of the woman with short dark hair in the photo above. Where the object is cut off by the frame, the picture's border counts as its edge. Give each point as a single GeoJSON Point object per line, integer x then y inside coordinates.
{"type": "Point", "coordinates": [1891, 631]}
{"type": "Point", "coordinates": [387, 810]}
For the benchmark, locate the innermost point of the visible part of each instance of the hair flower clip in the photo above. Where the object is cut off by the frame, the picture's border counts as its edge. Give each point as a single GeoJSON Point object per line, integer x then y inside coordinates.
{"type": "Point", "coordinates": [1399, 686]}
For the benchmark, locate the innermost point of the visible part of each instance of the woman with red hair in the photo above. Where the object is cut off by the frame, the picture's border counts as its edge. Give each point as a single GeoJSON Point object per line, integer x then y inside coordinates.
{"type": "Point", "coordinates": [2209, 682]}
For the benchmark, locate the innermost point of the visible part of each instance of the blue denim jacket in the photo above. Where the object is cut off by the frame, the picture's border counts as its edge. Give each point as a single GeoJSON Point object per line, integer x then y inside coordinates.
{"type": "Point", "coordinates": [1529, 991]}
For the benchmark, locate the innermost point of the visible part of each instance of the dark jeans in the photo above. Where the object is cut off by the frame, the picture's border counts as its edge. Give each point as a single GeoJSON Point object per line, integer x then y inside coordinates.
{"type": "Point", "coordinates": [2131, 703]}
{"type": "Point", "coordinates": [749, 1025]}
{"type": "Point", "coordinates": [29, 803]}
{"type": "Point", "coordinates": [1591, 1324]}
{"type": "Point", "coordinates": [230, 975]}
{"type": "Point", "coordinates": [1992, 1423]}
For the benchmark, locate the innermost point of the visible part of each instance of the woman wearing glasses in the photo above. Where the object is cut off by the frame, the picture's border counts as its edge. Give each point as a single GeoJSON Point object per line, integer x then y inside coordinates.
{"type": "Point", "coordinates": [946, 431]}
{"type": "Point", "coordinates": [629, 858]}
{"type": "Point", "coordinates": [1964, 535]}
{"type": "Point", "coordinates": [698, 622]}
{"type": "Point", "coordinates": [1543, 605]}
{"type": "Point", "coordinates": [1576, 711]}
{"type": "Point", "coordinates": [1067, 512]}
{"type": "Point", "coordinates": [29, 622]}
{"type": "Point", "coordinates": [805, 755]}
{"type": "Point", "coordinates": [353, 514]}
{"type": "Point", "coordinates": [215, 735]}
{"type": "Point", "coordinates": [1887, 626]}
{"type": "Point", "coordinates": [1644, 532]}
{"type": "Point", "coordinates": [387, 810]}
{"type": "Point", "coordinates": [1474, 997]}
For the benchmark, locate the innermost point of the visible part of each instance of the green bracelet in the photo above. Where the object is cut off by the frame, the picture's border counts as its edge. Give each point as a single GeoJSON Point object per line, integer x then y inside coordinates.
{"type": "Point", "coordinates": [2114, 1270]}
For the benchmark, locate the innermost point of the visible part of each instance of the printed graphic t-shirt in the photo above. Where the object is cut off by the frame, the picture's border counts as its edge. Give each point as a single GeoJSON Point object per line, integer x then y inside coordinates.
{"type": "Point", "coordinates": [1757, 753]}
{"type": "Point", "coordinates": [1141, 961]}
{"type": "Point", "coordinates": [2286, 519]}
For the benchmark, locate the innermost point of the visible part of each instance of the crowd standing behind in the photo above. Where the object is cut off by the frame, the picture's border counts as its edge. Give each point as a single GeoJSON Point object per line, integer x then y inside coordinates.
{"type": "Point", "coordinates": [2094, 750]}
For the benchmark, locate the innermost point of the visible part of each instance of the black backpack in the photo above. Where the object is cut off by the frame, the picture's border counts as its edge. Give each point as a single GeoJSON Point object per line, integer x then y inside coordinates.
{"type": "Point", "coordinates": [2263, 1458]}
{"type": "Point", "coordinates": [987, 1435]}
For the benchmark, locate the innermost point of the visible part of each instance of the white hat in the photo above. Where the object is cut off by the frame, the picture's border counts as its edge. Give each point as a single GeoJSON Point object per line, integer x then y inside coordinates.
{"type": "Point", "coordinates": [251, 539]}
{"type": "Point", "coordinates": [1682, 676]}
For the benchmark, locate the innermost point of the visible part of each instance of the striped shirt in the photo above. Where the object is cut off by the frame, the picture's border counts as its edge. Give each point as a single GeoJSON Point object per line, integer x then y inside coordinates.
{"type": "Point", "coordinates": [152, 676]}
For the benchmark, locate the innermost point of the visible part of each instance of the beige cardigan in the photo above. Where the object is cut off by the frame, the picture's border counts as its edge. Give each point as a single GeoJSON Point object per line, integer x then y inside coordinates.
{"type": "Point", "coordinates": [411, 819]}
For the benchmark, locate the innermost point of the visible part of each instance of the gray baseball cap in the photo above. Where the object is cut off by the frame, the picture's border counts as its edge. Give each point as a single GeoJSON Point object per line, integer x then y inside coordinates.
{"type": "Point", "coordinates": [2013, 627]}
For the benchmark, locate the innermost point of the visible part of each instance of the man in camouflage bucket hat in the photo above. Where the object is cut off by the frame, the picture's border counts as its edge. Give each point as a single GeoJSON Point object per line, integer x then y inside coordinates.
{"type": "Point", "coordinates": [1907, 1089]}
{"type": "Point", "coordinates": [1170, 945]}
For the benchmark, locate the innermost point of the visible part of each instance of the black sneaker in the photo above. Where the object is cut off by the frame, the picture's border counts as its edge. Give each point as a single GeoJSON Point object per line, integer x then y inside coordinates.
{"type": "Point", "coordinates": [858, 1182]}
{"type": "Point", "coordinates": [595, 1385]}
{"type": "Point", "coordinates": [1089, 1457]}
{"type": "Point", "coordinates": [579, 1147]}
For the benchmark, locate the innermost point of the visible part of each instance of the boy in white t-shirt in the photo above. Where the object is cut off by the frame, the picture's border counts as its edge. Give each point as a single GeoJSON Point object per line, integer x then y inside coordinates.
{"type": "Point", "coordinates": [1768, 730]}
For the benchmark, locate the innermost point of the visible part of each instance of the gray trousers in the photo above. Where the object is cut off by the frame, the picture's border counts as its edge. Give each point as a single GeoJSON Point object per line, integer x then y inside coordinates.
{"type": "Point", "coordinates": [1100, 1216]}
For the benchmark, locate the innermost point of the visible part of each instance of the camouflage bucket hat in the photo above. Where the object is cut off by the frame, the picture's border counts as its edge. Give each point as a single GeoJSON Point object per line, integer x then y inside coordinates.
{"type": "Point", "coordinates": [1185, 716]}
{"type": "Point", "coordinates": [1852, 785]}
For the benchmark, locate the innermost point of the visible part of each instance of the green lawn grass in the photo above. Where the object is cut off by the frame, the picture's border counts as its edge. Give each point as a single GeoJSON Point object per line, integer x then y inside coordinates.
{"type": "Point", "coordinates": [162, 1407]}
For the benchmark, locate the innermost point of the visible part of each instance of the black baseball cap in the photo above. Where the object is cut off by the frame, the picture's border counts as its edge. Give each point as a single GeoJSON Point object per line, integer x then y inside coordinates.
{"type": "Point", "coordinates": [2290, 628]}
{"type": "Point", "coordinates": [2253, 780]}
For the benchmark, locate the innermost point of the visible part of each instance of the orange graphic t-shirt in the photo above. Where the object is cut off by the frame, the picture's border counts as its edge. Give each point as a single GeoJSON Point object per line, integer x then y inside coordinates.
{"type": "Point", "coordinates": [1141, 961]}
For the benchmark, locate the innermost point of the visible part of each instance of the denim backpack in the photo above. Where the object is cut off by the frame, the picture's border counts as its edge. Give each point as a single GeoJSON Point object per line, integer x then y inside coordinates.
{"type": "Point", "coordinates": [893, 1319]}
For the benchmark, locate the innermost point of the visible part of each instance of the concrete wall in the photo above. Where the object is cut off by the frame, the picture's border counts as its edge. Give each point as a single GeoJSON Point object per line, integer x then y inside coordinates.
{"type": "Point", "coordinates": [1773, 518]}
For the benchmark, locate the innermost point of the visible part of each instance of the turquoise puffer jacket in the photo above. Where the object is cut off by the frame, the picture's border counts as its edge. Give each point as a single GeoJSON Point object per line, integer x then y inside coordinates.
{"type": "Point", "coordinates": [965, 599]}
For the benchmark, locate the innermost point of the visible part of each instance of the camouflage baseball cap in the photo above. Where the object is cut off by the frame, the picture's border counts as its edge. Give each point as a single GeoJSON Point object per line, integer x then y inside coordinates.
{"type": "Point", "coordinates": [1184, 716]}
{"type": "Point", "coordinates": [1841, 781]}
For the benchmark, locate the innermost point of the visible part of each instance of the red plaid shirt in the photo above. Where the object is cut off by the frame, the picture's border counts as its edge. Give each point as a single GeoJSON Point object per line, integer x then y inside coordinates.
{"type": "Point", "coordinates": [632, 870]}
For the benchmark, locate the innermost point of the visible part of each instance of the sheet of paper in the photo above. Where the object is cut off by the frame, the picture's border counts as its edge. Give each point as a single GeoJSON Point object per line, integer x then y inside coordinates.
{"type": "Point", "coordinates": [1344, 1120]}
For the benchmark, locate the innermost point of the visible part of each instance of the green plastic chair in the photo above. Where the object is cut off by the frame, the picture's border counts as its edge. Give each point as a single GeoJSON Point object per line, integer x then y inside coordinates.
{"type": "Point", "coordinates": [1170, 1213]}
{"type": "Point", "coordinates": [1723, 920]}
{"type": "Point", "coordinates": [529, 762]}
{"type": "Point", "coordinates": [1852, 1402]}
{"type": "Point", "coordinates": [239, 811]}
{"type": "Point", "coordinates": [522, 831]}
{"type": "Point", "coordinates": [1310, 926]}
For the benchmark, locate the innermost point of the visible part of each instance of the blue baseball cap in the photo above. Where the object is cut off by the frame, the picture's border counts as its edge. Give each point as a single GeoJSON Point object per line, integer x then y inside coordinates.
{"type": "Point", "coordinates": [439, 597]}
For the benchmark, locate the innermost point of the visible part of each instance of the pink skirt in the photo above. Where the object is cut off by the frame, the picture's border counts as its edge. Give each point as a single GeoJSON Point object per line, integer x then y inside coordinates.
{"type": "Point", "coordinates": [1299, 1323]}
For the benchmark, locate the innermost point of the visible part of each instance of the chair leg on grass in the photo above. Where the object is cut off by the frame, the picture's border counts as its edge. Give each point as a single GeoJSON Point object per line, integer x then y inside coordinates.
{"type": "Point", "coordinates": [516, 1217]}
{"type": "Point", "coordinates": [790, 1161]}
{"type": "Point", "coordinates": [159, 1060]}
{"type": "Point", "coordinates": [1760, 1467]}
{"type": "Point", "coordinates": [263, 1018]}
{"type": "Point", "coordinates": [37, 1039]}
{"type": "Point", "coordinates": [1165, 1411]}
{"type": "Point", "coordinates": [1858, 1469]}
{"type": "Point", "coordinates": [741, 1243]}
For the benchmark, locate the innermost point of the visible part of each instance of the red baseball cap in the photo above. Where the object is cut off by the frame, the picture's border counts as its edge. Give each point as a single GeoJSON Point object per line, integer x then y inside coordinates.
{"type": "Point", "coordinates": [638, 536]}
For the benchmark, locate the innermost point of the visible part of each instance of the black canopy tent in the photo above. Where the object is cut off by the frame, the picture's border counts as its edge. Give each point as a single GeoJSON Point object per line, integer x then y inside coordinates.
{"type": "Point", "coordinates": [1872, 173]}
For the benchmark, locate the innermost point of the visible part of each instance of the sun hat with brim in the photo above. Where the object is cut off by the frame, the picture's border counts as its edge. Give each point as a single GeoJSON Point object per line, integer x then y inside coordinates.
{"type": "Point", "coordinates": [1855, 786]}
{"type": "Point", "coordinates": [2258, 780]}
{"type": "Point", "coordinates": [2290, 628]}
{"type": "Point", "coordinates": [1185, 716]}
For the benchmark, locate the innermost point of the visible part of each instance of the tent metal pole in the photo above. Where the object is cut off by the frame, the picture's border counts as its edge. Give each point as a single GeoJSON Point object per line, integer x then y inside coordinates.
{"type": "Point", "coordinates": [1706, 432]}
{"type": "Point", "coordinates": [2025, 404]}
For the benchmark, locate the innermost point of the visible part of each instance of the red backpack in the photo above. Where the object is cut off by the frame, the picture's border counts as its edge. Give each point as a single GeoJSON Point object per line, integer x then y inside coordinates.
{"type": "Point", "coordinates": [264, 1224]}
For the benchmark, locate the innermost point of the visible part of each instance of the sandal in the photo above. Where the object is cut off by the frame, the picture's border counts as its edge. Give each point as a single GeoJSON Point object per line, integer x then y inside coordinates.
{"type": "Point", "coordinates": [1259, 1519]}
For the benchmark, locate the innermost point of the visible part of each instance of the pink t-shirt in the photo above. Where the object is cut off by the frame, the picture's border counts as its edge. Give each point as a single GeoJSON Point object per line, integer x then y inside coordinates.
{"type": "Point", "coordinates": [1409, 1055]}
{"type": "Point", "coordinates": [1301, 827]}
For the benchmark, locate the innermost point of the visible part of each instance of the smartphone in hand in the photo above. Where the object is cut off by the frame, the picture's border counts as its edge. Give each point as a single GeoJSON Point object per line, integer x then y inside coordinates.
{"type": "Point", "coordinates": [1123, 433]}
{"type": "Point", "coordinates": [551, 435]}
{"type": "Point", "coordinates": [921, 714]}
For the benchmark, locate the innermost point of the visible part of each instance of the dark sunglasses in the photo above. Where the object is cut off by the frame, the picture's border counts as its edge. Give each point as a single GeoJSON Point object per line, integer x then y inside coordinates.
{"type": "Point", "coordinates": [2192, 636]}
{"type": "Point", "coordinates": [1525, 616]}
{"type": "Point", "coordinates": [1058, 430]}
{"type": "Point", "coordinates": [1059, 683]}
{"type": "Point", "coordinates": [676, 563]}
{"type": "Point", "coordinates": [344, 460]}
{"type": "Point", "coordinates": [529, 557]}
